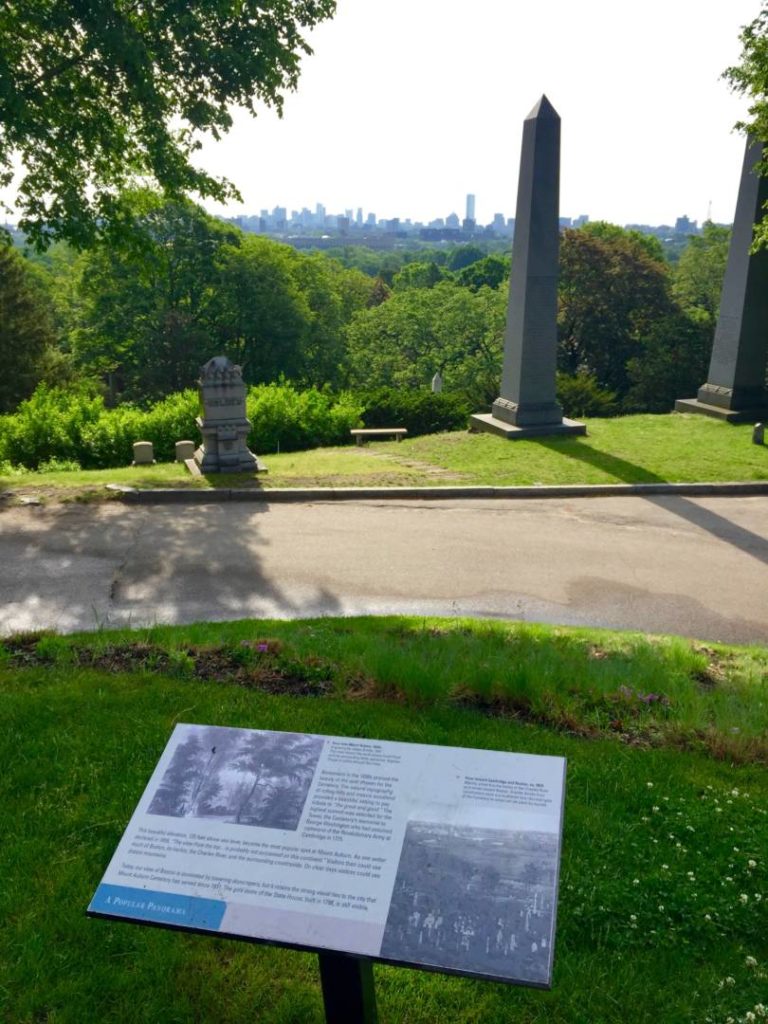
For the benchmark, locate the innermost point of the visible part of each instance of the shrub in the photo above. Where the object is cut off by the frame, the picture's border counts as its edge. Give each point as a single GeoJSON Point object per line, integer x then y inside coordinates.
{"type": "Point", "coordinates": [285, 419]}
{"type": "Point", "coordinates": [581, 395]}
{"type": "Point", "coordinates": [421, 412]}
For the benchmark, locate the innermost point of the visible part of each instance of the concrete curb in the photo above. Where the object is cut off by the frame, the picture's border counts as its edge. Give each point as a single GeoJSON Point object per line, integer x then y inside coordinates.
{"type": "Point", "coordinates": [180, 496]}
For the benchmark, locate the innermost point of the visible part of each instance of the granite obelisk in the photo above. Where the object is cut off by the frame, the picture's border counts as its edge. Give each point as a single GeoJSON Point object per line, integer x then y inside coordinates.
{"type": "Point", "coordinates": [527, 405]}
{"type": "Point", "coordinates": [735, 387]}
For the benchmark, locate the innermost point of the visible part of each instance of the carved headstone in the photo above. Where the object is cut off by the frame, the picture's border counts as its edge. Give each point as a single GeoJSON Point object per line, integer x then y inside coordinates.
{"type": "Point", "coordinates": [735, 387]}
{"type": "Point", "coordinates": [437, 383]}
{"type": "Point", "coordinates": [223, 422]}
{"type": "Point", "coordinates": [528, 406]}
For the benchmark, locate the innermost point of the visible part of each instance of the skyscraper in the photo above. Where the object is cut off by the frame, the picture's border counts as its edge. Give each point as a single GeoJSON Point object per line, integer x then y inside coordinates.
{"type": "Point", "coordinates": [470, 207]}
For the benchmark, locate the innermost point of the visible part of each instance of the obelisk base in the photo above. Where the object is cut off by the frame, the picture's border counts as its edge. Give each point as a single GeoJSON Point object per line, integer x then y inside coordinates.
{"type": "Point", "coordinates": [734, 405]}
{"type": "Point", "coordinates": [487, 423]}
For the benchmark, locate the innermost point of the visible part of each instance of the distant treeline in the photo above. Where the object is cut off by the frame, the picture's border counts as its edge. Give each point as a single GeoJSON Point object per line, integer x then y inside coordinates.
{"type": "Point", "coordinates": [134, 324]}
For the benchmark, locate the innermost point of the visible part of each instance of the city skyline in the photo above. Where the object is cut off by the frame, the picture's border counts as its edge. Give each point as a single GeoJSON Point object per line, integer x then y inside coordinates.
{"type": "Point", "coordinates": [434, 110]}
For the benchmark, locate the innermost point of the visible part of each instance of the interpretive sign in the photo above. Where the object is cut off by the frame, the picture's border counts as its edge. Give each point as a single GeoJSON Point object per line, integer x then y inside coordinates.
{"type": "Point", "coordinates": [436, 857]}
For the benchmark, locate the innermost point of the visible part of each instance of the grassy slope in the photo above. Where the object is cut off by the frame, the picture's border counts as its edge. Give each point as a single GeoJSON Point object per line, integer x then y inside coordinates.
{"type": "Point", "coordinates": [625, 450]}
{"type": "Point", "coordinates": [655, 838]}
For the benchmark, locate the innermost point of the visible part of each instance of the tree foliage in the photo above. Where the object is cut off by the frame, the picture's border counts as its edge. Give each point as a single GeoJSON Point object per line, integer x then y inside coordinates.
{"type": "Point", "coordinates": [750, 77]}
{"type": "Point", "coordinates": [419, 331]}
{"type": "Point", "coordinates": [26, 329]}
{"type": "Point", "coordinates": [150, 318]}
{"type": "Point", "coordinates": [91, 92]}
{"type": "Point", "coordinates": [612, 291]}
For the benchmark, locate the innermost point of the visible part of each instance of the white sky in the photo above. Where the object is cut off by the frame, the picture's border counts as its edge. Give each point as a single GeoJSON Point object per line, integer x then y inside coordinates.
{"type": "Point", "coordinates": [407, 105]}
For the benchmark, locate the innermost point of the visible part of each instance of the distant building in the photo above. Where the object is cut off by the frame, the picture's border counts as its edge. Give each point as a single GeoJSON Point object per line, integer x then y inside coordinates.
{"type": "Point", "coordinates": [452, 221]}
{"type": "Point", "coordinates": [580, 221]}
{"type": "Point", "coordinates": [470, 208]}
{"type": "Point", "coordinates": [684, 226]}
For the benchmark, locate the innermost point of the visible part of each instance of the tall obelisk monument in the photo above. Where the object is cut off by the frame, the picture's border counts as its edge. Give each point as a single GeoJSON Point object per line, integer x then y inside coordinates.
{"type": "Point", "coordinates": [735, 388]}
{"type": "Point", "coordinates": [527, 406]}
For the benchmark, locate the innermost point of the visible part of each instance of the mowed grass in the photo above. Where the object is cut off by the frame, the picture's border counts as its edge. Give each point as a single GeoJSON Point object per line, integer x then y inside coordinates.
{"type": "Point", "coordinates": [664, 883]}
{"type": "Point", "coordinates": [631, 449]}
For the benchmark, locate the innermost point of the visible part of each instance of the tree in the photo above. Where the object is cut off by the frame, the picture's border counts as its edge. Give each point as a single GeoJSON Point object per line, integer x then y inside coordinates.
{"type": "Point", "coordinates": [402, 342]}
{"type": "Point", "coordinates": [698, 278]}
{"type": "Point", "coordinates": [26, 329]}
{"type": "Point", "coordinates": [489, 272]}
{"type": "Point", "coordinates": [145, 317]}
{"type": "Point", "coordinates": [612, 291]}
{"type": "Point", "coordinates": [91, 92]}
{"type": "Point", "coordinates": [750, 77]}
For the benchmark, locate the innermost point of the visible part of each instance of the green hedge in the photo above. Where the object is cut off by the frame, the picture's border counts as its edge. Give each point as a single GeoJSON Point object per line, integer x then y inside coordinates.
{"type": "Point", "coordinates": [421, 412]}
{"type": "Point", "coordinates": [73, 425]}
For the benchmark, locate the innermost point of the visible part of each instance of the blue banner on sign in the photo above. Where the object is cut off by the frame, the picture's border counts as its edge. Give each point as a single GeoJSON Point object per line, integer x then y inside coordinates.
{"type": "Point", "coordinates": [164, 907]}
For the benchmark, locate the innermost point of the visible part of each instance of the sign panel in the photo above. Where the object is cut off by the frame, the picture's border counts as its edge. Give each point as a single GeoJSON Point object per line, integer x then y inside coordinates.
{"type": "Point", "coordinates": [443, 858]}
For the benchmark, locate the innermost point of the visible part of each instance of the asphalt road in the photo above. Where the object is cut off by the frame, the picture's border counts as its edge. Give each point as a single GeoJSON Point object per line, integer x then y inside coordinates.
{"type": "Point", "coordinates": [693, 566]}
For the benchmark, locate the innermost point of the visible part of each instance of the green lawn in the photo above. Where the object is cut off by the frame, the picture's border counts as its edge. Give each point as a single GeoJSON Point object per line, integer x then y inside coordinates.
{"type": "Point", "coordinates": [631, 449]}
{"type": "Point", "coordinates": [664, 889]}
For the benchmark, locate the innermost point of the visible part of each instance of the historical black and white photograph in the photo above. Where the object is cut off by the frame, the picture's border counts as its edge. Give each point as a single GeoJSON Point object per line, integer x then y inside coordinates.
{"type": "Point", "coordinates": [239, 776]}
{"type": "Point", "coordinates": [475, 899]}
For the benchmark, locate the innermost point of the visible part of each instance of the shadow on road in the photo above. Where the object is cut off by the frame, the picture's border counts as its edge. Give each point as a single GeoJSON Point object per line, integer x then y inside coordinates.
{"type": "Point", "coordinates": [90, 567]}
{"type": "Point", "coordinates": [718, 526]}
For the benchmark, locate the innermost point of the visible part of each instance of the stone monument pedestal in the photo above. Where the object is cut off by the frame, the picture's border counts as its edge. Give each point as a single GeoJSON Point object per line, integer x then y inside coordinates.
{"type": "Point", "coordinates": [488, 423]}
{"type": "Point", "coordinates": [223, 424]}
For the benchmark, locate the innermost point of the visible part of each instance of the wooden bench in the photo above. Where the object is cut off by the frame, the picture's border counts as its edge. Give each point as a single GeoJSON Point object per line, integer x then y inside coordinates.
{"type": "Point", "coordinates": [361, 436]}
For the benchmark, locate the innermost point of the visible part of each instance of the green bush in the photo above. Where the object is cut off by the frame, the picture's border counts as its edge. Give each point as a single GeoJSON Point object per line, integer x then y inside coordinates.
{"type": "Point", "coordinates": [421, 412]}
{"type": "Point", "coordinates": [581, 395]}
{"type": "Point", "coordinates": [57, 428]}
{"type": "Point", "coordinates": [284, 419]}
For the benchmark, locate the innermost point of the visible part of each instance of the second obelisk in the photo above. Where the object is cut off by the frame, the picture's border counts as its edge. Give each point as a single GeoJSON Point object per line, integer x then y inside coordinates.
{"type": "Point", "coordinates": [527, 405]}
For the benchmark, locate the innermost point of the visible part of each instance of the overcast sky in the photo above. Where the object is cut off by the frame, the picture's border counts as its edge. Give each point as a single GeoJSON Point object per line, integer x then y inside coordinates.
{"type": "Point", "coordinates": [408, 105]}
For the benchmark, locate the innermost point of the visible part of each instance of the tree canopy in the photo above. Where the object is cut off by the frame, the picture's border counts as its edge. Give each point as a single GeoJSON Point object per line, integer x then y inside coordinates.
{"type": "Point", "coordinates": [91, 92]}
{"type": "Point", "coordinates": [750, 77]}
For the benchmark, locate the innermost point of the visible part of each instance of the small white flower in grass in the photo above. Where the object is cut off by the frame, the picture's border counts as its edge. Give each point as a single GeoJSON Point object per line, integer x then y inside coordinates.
{"type": "Point", "coordinates": [633, 917]}
{"type": "Point", "coordinates": [728, 878]}
{"type": "Point", "coordinates": [665, 867]}
{"type": "Point", "coordinates": [645, 818]}
{"type": "Point", "coordinates": [635, 881]}
{"type": "Point", "coordinates": [752, 863]}
{"type": "Point", "coordinates": [719, 810]}
{"type": "Point", "coordinates": [690, 828]}
{"type": "Point", "coordinates": [735, 849]}
{"type": "Point", "coordinates": [707, 917]}
{"type": "Point", "coordinates": [730, 981]}
{"type": "Point", "coordinates": [655, 809]}
{"type": "Point", "coordinates": [750, 961]}
{"type": "Point", "coordinates": [734, 792]}
{"type": "Point", "coordinates": [760, 1010]}
{"type": "Point", "coordinates": [661, 908]}
{"type": "Point", "coordinates": [758, 896]}
{"type": "Point", "coordinates": [654, 840]}
{"type": "Point", "coordinates": [743, 898]}
{"type": "Point", "coordinates": [749, 1015]}
{"type": "Point", "coordinates": [649, 785]}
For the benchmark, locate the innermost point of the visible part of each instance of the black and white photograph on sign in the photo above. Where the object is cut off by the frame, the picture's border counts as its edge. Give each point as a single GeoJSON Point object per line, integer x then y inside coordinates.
{"type": "Point", "coordinates": [475, 899]}
{"type": "Point", "coordinates": [239, 776]}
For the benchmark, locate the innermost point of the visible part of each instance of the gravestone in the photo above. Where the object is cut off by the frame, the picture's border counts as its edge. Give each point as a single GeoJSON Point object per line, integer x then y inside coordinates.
{"type": "Point", "coordinates": [735, 387]}
{"type": "Point", "coordinates": [223, 422]}
{"type": "Point", "coordinates": [758, 434]}
{"type": "Point", "coordinates": [143, 454]}
{"type": "Point", "coordinates": [437, 383]}
{"type": "Point", "coordinates": [185, 450]}
{"type": "Point", "coordinates": [527, 405]}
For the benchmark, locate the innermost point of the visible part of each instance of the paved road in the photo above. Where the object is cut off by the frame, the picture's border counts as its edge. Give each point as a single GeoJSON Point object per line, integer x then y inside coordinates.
{"type": "Point", "coordinates": [698, 567]}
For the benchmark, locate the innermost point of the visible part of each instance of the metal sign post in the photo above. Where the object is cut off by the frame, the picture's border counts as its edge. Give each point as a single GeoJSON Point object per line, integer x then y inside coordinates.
{"type": "Point", "coordinates": [348, 992]}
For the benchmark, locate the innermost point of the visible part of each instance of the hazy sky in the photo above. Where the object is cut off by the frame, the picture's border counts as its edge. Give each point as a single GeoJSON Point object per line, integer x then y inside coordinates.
{"type": "Point", "coordinates": [407, 105]}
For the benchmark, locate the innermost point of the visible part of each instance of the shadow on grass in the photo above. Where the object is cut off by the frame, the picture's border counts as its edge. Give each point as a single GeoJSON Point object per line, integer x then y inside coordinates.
{"type": "Point", "coordinates": [621, 469]}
